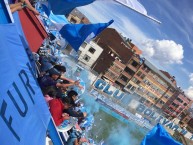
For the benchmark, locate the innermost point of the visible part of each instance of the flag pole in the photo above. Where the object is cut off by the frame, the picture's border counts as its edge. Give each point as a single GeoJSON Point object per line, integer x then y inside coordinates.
{"type": "Point", "coordinates": [153, 19]}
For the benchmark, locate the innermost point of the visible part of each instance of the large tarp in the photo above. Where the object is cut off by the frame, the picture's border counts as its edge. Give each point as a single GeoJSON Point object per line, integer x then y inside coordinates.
{"type": "Point", "coordinates": [24, 115]}
{"type": "Point", "coordinates": [159, 136]}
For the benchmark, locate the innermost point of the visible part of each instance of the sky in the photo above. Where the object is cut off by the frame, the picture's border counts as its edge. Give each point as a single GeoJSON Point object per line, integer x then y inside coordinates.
{"type": "Point", "coordinates": [169, 45]}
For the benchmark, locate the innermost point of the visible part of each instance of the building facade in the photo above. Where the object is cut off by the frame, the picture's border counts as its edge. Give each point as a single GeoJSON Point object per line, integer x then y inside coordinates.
{"type": "Point", "coordinates": [155, 88]}
{"type": "Point", "coordinates": [76, 17]}
{"type": "Point", "coordinates": [89, 53]}
{"type": "Point", "coordinates": [178, 103]}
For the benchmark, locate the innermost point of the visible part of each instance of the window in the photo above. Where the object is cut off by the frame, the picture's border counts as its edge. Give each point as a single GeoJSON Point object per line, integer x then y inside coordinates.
{"type": "Point", "coordinates": [179, 100]}
{"type": "Point", "coordinates": [142, 100]}
{"type": "Point", "coordinates": [162, 102]}
{"type": "Point", "coordinates": [129, 86]}
{"type": "Point", "coordinates": [72, 20]}
{"type": "Point", "coordinates": [138, 82]}
{"type": "Point", "coordinates": [129, 71]}
{"type": "Point", "coordinates": [92, 50]}
{"type": "Point", "coordinates": [141, 89]}
{"type": "Point", "coordinates": [151, 96]}
{"type": "Point", "coordinates": [79, 53]}
{"type": "Point", "coordinates": [86, 58]}
{"type": "Point", "coordinates": [139, 73]}
{"type": "Point", "coordinates": [181, 109]}
{"type": "Point", "coordinates": [166, 96]}
{"type": "Point", "coordinates": [133, 89]}
{"type": "Point", "coordinates": [134, 63]}
{"type": "Point", "coordinates": [134, 80]}
{"type": "Point", "coordinates": [125, 79]}
{"type": "Point", "coordinates": [146, 81]}
{"type": "Point", "coordinates": [175, 105]}
{"type": "Point", "coordinates": [143, 76]}
{"type": "Point", "coordinates": [83, 44]}
{"type": "Point", "coordinates": [170, 109]}
{"type": "Point", "coordinates": [155, 99]}
{"type": "Point", "coordinates": [172, 90]}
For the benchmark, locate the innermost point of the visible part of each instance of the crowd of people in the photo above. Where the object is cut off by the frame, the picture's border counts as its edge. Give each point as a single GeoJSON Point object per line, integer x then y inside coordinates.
{"type": "Point", "coordinates": [59, 94]}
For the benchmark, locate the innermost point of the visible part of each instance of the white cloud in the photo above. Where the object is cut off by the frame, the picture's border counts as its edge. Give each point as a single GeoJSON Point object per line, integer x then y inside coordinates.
{"type": "Point", "coordinates": [164, 51]}
{"type": "Point", "coordinates": [189, 92]}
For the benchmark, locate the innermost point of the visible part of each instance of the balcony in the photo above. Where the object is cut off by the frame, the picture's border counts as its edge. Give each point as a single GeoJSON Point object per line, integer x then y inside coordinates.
{"type": "Point", "coordinates": [152, 80]}
{"type": "Point", "coordinates": [173, 107]}
{"type": "Point", "coordinates": [136, 59]}
{"type": "Point", "coordinates": [137, 77]}
{"type": "Point", "coordinates": [132, 67]}
{"type": "Point", "coordinates": [139, 92]}
{"type": "Point", "coordinates": [149, 89]}
{"type": "Point", "coordinates": [149, 99]}
{"type": "Point", "coordinates": [114, 71]}
{"type": "Point", "coordinates": [159, 105]}
{"type": "Point", "coordinates": [126, 74]}
{"type": "Point", "coordinates": [121, 81]}
{"type": "Point", "coordinates": [110, 77]}
{"type": "Point", "coordinates": [118, 63]}
{"type": "Point", "coordinates": [170, 93]}
{"type": "Point", "coordinates": [164, 99]}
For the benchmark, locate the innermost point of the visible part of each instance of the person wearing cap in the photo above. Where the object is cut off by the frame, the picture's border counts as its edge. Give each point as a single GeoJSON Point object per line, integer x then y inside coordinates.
{"type": "Point", "coordinates": [62, 70]}
{"type": "Point", "coordinates": [51, 80]}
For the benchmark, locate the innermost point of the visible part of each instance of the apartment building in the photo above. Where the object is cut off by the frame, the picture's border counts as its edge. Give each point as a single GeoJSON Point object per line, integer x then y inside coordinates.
{"type": "Point", "coordinates": [176, 104]}
{"type": "Point", "coordinates": [116, 58]}
{"type": "Point", "coordinates": [155, 88]}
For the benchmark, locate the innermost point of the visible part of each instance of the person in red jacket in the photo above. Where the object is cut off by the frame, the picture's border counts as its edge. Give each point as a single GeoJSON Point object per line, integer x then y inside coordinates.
{"type": "Point", "coordinates": [57, 106]}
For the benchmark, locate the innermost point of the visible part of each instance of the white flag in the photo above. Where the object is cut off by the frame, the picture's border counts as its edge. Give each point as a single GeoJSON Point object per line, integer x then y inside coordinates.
{"type": "Point", "coordinates": [134, 5]}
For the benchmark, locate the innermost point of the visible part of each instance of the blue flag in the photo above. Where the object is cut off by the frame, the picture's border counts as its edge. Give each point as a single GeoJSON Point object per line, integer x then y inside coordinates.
{"type": "Point", "coordinates": [159, 136]}
{"type": "Point", "coordinates": [64, 7]}
{"type": "Point", "coordinates": [24, 114]}
{"type": "Point", "coordinates": [76, 34]}
{"type": "Point", "coordinates": [45, 9]}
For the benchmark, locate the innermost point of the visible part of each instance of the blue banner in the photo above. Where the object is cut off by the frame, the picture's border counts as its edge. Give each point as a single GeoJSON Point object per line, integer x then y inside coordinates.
{"type": "Point", "coordinates": [159, 136]}
{"type": "Point", "coordinates": [24, 115]}
{"type": "Point", "coordinates": [64, 7]}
